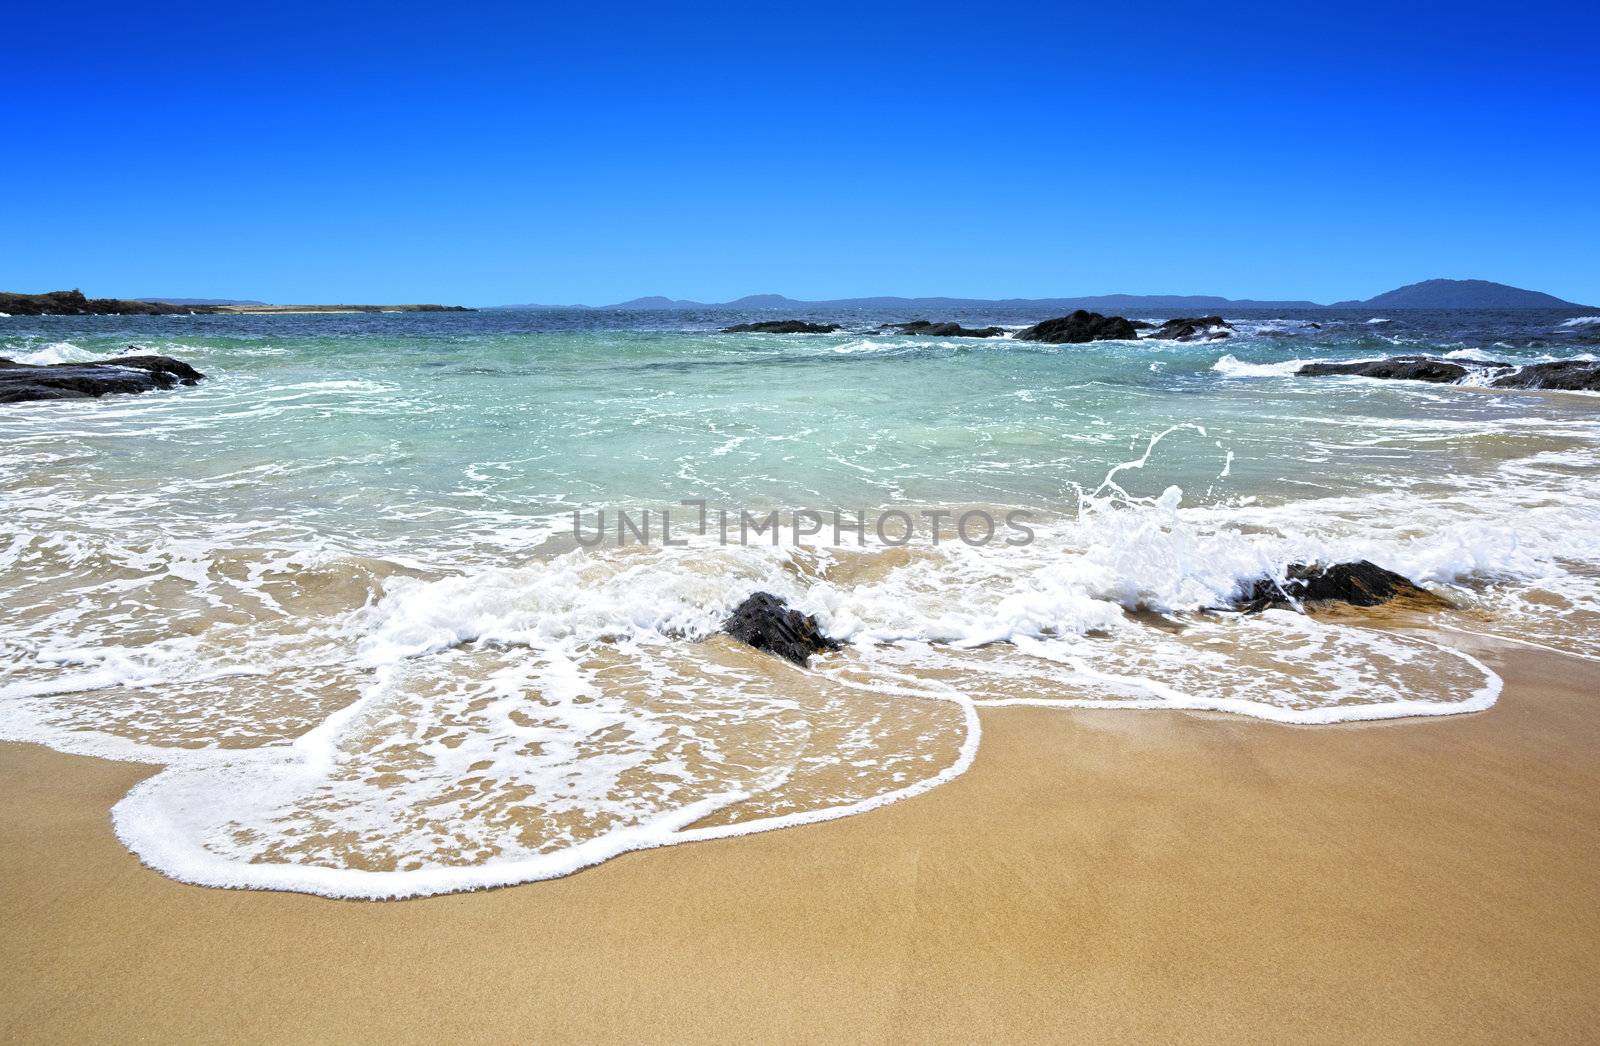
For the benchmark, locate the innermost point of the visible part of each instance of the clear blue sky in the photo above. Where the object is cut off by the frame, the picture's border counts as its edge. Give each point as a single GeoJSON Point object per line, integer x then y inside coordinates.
{"type": "Point", "coordinates": [589, 153]}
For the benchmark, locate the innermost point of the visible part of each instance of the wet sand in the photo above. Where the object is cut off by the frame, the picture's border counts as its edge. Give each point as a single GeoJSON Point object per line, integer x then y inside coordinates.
{"type": "Point", "coordinates": [1094, 876]}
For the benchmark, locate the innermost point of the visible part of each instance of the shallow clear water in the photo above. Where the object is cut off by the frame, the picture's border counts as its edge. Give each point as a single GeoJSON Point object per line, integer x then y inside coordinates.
{"type": "Point", "coordinates": [336, 587]}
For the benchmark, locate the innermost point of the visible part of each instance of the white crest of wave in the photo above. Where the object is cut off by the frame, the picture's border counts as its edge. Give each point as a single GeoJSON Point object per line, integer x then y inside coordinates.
{"type": "Point", "coordinates": [1582, 321]}
{"type": "Point", "coordinates": [60, 352]}
{"type": "Point", "coordinates": [1234, 367]}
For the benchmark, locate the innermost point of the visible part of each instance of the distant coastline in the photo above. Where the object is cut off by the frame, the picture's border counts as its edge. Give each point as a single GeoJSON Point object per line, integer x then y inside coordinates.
{"type": "Point", "coordinates": [1429, 294]}
{"type": "Point", "coordinates": [292, 309]}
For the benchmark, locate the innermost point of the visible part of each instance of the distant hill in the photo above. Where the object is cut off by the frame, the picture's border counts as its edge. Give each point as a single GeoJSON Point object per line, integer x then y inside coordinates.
{"type": "Point", "coordinates": [1460, 294]}
{"type": "Point", "coordinates": [1430, 294]}
{"type": "Point", "coordinates": [1157, 303]}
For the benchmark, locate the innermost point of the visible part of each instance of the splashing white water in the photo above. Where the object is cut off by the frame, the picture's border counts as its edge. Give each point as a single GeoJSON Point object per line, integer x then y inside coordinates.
{"type": "Point", "coordinates": [59, 352]}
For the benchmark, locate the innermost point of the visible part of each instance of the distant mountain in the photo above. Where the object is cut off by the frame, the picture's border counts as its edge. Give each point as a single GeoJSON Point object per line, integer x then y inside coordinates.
{"type": "Point", "coordinates": [1460, 294]}
{"type": "Point", "coordinates": [1431, 294]}
{"type": "Point", "coordinates": [654, 301]}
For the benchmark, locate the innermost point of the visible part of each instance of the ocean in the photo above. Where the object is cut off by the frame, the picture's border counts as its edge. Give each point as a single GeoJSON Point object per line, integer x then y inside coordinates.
{"type": "Point", "coordinates": [364, 596]}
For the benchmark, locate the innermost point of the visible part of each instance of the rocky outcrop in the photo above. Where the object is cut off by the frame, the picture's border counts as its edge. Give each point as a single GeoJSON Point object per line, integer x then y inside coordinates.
{"type": "Point", "coordinates": [781, 327]}
{"type": "Point", "coordinates": [1558, 375]}
{"type": "Point", "coordinates": [1406, 368]}
{"type": "Point", "coordinates": [1200, 328]}
{"type": "Point", "coordinates": [1081, 326]}
{"type": "Point", "coordinates": [20, 382]}
{"type": "Point", "coordinates": [765, 622]}
{"type": "Point", "coordinates": [73, 303]}
{"type": "Point", "coordinates": [941, 330]}
{"type": "Point", "coordinates": [1362, 584]}
{"type": "Point", "coordinates": [1561, 375]}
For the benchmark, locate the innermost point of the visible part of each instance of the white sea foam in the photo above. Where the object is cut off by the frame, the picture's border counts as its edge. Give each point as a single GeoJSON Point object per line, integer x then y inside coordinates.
{"type": "Point", "coordinates": [59, 352]}
{"type": "Point", "coordinates": [1478, 355]}
{"type": "Point", "coordinates": [345, 708]}
{"type": "Point", "coordinates": [469, 753]}
{"type": "Point", "coordinates": [1582, 321]}
{"type": "Point", "coordinates": [1234, 367]}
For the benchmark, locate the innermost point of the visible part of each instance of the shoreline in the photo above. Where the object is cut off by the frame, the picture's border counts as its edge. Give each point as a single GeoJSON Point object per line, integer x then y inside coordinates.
{"type": "Point", "coordinates": [1096, 874]}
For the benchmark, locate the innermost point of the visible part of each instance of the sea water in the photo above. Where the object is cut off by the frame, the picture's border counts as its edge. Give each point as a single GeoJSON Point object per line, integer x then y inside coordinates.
{"type": "Point", "coordinates": [337, 591]}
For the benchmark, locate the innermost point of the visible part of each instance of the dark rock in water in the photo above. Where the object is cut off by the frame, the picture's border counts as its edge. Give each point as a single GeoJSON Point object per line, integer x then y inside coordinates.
{"type": "Point", "coordinates": [766, 623]}
{"type": "Point", "coordinates": [1408, 368]}
{"type": "Point", "coordinates": [941, 330]}
{"type": "Point", "coordinates": [20, 381]}
{"type": "Point", "coordinates": [1561, 375]}
{"type": "Point", "coordinates": [1082, 326]}
{"type": "Point", "coordinates": [1141, 325]}
{"type": "Point", "coordinates": [781, 327]}
{"type": "Point", "coordinates": [1201, 328]}
{"type": "Point", "coordinates": [1361, 584]}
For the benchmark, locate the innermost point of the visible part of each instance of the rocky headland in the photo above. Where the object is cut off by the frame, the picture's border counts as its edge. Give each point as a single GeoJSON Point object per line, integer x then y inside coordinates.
{"type": "Point", "coordinates": [74, 303]}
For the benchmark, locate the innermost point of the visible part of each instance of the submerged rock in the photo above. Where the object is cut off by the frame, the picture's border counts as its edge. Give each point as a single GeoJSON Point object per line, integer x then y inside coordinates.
{"type": "Point", "coordinates": [1405, 368]}
{"type": "Point", "coordinates": [1200, 328]}
{"type": "Point", "coordinates": [1082, 326]}
{"type": "Point", "coordinates": [1362, 584]}
{"type": "Point", "coordinates": [942, 330]}
{"type": "Point", "coordinates": [765, 622]}
{"type": "Point", "coordinates": [20, 381]}
{"type": "Point", "coordinates": [1561, 375]}
{"type": "Point", "coordinates": [781, 327]}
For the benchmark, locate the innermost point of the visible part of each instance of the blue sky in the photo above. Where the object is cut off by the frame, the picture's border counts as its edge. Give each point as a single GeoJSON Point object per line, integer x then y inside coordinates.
{"type": "Point", "coordinates": [487, 154]}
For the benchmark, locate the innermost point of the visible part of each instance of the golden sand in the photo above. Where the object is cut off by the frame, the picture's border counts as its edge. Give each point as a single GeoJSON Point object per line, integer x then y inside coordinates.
{"type": "Point", "coordinates": [1143, 876]}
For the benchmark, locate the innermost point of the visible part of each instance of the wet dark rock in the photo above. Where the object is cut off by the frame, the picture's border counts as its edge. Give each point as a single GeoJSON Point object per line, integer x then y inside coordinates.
{"type": "Point", "coordinates": [1082, 326]}
{"type": "Point", "coordinates": [1199, 328]}
{"type": "Point", "coordinates": [1362, 584]}
{"type": "Point", "coordinates": [765, 622]}
{"type": "Point", "coordinates": [1406, 368]}
{"type": "Point", "coordinates": [1141, 325]}
{"type": "Point", "coordinates": [1561, 375]}
{"type": "Point", "coordinates": [20, 382]}
{"type": "Point", "coordinates": [781, 327]}
{"type": "Point", "coordinates": [941, 330]}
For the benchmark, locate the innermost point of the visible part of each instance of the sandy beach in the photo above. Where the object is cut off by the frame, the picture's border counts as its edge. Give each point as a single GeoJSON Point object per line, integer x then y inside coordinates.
{"type": "Point", "coordinates": [1094, 876]}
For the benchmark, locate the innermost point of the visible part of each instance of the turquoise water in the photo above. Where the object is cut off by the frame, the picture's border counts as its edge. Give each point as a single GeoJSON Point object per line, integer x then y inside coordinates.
{"type": "Point", "coordinates": [335, 588]}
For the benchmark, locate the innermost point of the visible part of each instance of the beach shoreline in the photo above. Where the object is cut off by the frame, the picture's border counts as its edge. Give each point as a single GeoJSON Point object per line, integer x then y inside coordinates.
{"type": "Point", "coordinates": [1094, 875]}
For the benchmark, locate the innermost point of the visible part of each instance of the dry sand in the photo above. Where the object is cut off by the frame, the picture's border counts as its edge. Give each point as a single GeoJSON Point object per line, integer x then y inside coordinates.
{"type": "Point", "coordinates": [1095, 875]}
